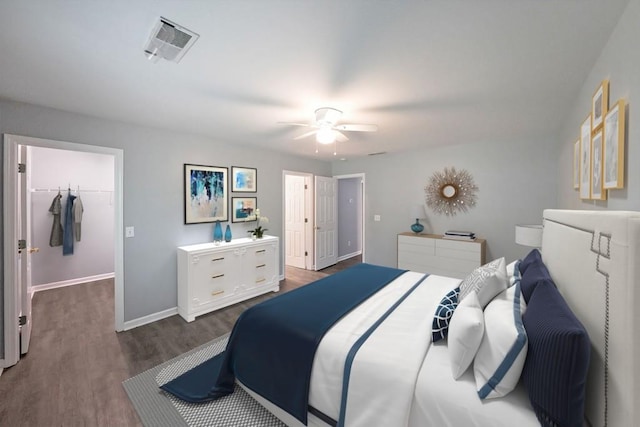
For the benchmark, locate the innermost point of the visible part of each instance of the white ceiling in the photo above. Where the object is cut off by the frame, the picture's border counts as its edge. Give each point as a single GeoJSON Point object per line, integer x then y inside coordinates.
{"type": "Point", "coordinates": [426, 72]}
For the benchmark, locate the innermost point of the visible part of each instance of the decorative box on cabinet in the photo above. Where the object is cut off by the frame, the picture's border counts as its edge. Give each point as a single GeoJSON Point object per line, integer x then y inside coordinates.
{"type": "Point", "coordinates": [211, 276]}
{"type": "Point", "coordinates": [431, 253]}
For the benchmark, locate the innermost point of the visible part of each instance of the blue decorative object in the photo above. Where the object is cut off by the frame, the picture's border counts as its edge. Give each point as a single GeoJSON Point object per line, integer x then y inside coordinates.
{"type": "Point", "coordinates": [417, 227]}
{"type": "Point", "coordinates": [227, 234]}
{"type": "Point", "coordinates": [217, 232]}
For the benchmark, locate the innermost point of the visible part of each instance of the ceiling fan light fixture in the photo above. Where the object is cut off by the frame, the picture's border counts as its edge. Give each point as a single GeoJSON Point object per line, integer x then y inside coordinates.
{"type": "Point", "coordinates": [328, 115]}
{"type": "Point", "coordinates": [325, 135]}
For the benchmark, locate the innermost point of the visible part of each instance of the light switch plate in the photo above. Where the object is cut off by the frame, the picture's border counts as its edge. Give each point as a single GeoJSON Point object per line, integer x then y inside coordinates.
{"type": "Point", "coordinates": [129, 232]}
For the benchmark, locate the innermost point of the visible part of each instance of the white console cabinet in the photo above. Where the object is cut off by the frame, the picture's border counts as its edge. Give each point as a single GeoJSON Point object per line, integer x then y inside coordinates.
{"type": "Point", "coordinates": [431, 253]}
{"type": "Point", "coordinates": [212, 276]}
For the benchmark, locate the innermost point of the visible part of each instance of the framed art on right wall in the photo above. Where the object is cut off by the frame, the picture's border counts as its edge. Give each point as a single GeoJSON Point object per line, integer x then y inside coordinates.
{"type": "Point", "coordinates": [599, 105]}
{"type": "Point", "coordinates": [597, 192]}
{"type": "Point", "coordinates": [585, 158]}
{"type": "Point", "coordinates": [614, 147]}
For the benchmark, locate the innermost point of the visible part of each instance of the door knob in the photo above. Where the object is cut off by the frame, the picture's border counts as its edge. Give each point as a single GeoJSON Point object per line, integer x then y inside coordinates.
{"type": "Point", "coordinates": [34, 250]}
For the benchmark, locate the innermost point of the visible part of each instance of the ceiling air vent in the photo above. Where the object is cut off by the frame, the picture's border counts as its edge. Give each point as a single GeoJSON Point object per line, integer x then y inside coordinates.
{"type": "Point", "coordinates": [169, 41]}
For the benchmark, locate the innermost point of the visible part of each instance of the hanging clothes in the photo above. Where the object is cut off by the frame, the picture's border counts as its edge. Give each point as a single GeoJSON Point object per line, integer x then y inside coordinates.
{"type": "Point", "coordinates": [67, 241]}
{"type": "Point", "coordinates": [56, 228]}
{"type": "Point", "coordinates": [78, 209]}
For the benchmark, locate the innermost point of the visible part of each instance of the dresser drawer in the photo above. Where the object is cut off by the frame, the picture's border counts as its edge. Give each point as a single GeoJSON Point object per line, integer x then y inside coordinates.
{"type": "Point", "coordinates": [435, 255]}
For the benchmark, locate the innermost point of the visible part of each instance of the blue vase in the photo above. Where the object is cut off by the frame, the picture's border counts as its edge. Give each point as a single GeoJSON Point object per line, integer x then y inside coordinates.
{"type": "Point", "coordinates": [217, 232]}
{"type": "Point", "coordinates": [227, 234]}
{"type": "Point", "coordinates": [417, 227]}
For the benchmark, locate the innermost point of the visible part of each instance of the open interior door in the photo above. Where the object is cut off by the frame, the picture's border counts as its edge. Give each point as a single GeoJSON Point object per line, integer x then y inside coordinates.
{"type": "Point", "coordinates": [24, 255]}
{"type": "Point", "coordinates": [326, 222]}
{"type": "Point", "coordinates": [295, 221]}
{"type": "Point", "coordinates": [17, 298]}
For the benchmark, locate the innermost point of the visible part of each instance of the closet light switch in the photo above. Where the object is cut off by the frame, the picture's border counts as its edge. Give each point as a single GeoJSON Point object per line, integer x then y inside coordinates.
{"type": "Point", "coordinates": [128, 232]}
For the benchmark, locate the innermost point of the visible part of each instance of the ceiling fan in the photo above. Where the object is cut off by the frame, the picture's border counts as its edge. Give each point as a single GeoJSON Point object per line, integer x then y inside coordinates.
{"type": "Point", "coordinates": [326, 129]}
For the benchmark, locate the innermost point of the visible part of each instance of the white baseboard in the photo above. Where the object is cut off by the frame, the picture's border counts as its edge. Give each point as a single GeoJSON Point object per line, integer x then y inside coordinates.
{"type": "Point", "coordinates": [351, 255]}
{"type": "Point", "coordinates": [144, 320]}
{"type": "Point", "coordinates": [71, 282]}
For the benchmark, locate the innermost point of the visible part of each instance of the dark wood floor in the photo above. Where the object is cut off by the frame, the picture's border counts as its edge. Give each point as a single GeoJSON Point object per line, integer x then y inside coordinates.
{"type": "Point", "coordinates": [73, 373]}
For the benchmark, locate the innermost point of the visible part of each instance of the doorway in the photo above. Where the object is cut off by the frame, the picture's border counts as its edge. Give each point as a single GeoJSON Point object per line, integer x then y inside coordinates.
{"type": "Point", "coordinates": [299, 220]}
{"type": "Point", "coordinates": [13, 292]}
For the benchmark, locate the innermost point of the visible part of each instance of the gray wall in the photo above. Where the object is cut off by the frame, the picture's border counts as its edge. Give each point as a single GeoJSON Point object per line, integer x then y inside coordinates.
{"type": "Point", "coordinates": [516, 181]}
{"type": "Point", "coordinates": [153, 190]}
{"type": "Point", "coordinates": [349, 216]}
{"type": "Point", "coordinates": [93, 174]}
{"type": "Point", "coordinates": [619, 62]}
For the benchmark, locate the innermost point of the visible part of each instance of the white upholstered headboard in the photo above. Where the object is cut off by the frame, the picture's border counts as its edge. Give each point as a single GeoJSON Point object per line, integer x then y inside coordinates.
{"type": "Point", "coordinates": [594, 258]}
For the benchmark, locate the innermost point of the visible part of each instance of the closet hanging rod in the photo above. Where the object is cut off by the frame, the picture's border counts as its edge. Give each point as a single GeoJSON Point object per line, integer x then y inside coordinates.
{"type": "Point", "coordinates": [49, 190]}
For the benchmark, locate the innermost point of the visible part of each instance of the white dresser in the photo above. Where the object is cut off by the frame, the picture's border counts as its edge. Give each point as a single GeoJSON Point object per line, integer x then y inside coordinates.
{"type": "Point", "coordinates": [431, 253]}
{"type": "Point", "coordinates": [214, 276]}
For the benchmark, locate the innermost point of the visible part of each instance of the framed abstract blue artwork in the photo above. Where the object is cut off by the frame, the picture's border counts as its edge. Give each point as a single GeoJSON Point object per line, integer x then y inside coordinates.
{"type": "Point", "coordinates": [243, 209]}
{"type": "Point", "coordinates": [244, 180]}
{"type": "Point", "coordinates": [205, 194]}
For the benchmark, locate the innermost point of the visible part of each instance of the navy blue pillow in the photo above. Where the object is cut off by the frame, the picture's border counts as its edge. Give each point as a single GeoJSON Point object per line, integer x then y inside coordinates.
{"type": "Point", "coordinates": [555, 371]}
{"type": "Point", "coordinates": [535, 273]}
{"type": "Point", "coordinates": [531, 257]}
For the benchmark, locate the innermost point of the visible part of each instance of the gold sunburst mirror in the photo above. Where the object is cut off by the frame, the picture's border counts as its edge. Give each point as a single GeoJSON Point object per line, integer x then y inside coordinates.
{"type": "Point", "coordinates": [450, 191]}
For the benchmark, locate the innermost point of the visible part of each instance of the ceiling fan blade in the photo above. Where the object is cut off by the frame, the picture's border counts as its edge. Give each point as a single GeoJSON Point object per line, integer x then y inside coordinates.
{"type": "Point", "coordinates": [304, 135]}
{"type": "Point", "coordinates": [352, 127]}
{"type": "Point", "coordinates": [295, 124]}
{"type": "Point", "coordinates": [341, 137]}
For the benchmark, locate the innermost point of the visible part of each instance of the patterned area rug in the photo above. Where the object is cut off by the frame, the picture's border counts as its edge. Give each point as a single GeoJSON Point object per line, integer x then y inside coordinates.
{"type": "Point", "coordinates": [157, 408]}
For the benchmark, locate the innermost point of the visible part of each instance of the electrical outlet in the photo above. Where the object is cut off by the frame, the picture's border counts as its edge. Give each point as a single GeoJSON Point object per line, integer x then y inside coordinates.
{"type": "Point", "coordinates": [376, 217]}
{"type": "Point", "coordinates": [349, 243]}
{"type": "Point", "coordinates": [129, 232]}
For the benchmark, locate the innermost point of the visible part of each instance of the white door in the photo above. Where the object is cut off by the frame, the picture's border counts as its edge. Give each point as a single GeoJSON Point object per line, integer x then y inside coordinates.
{"type": "Point", "coordinates": [326, 223]}
{"type": "Point", "coordinates": [24, 255]}
{"type": "Point", "coordinates": [17, 300]}
{"type": "Point", "coordinates": [295, 221]}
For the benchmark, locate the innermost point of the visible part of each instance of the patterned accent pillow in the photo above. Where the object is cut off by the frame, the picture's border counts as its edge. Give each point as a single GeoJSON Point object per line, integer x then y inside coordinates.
{"type": "Point", "coordinates": [444, 311]}
{"type": "Point", "coordinates": [487, 281]}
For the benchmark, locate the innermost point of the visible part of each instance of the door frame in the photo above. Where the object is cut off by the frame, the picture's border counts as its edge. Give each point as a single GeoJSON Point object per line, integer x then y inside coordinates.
{"type": "Point", "coordinates": [10, 173]}
{"type": "Point", "coordinates": [310, 197]}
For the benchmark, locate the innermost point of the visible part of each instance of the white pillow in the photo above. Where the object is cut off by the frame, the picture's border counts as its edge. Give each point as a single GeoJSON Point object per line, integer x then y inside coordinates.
{"type": "Point", "coordinates": [466, 329]}
{"type": "Point", "coordinates": [487, 281]}
{"type": "Point", "coordinates": [503, 350]}
{"type": "Point", "coordinates": [513, 272]}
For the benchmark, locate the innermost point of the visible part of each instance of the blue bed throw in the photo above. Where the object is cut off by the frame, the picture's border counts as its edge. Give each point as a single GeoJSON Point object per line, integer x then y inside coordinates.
{"type": "Point", "coordinates": [272, 345]}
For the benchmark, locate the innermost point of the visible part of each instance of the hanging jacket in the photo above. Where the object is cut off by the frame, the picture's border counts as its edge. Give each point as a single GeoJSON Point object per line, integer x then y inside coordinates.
{"type": "Point", "coordinates": [56, 228]}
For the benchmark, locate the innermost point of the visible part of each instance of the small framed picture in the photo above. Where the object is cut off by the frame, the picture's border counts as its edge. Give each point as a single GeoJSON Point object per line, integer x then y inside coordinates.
{"type": "Point", "coordinates": [244, 180]}
{"type": "Point", "coordinates": [576, 164]}
{"type": "Point", "coordinates": [597, 192]}
{"type": "Point", "coordinates": [614, 147]}
{"type": "Point", "coordinates": [242, 208]}
{"type": "Point", "coordinates": [585, 159]}
{"type": "Point", "coordinates": [205, 194]}
{"type": "Point", "coordinates": [599, 105]}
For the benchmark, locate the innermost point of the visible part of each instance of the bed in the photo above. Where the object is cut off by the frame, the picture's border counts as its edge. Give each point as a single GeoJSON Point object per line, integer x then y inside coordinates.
{"type": "Point", "coordinates": [378, 365]}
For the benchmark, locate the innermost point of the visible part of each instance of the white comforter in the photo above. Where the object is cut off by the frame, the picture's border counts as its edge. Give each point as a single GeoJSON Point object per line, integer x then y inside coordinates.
{"type": "Point", "coordinates": [385, 369]}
